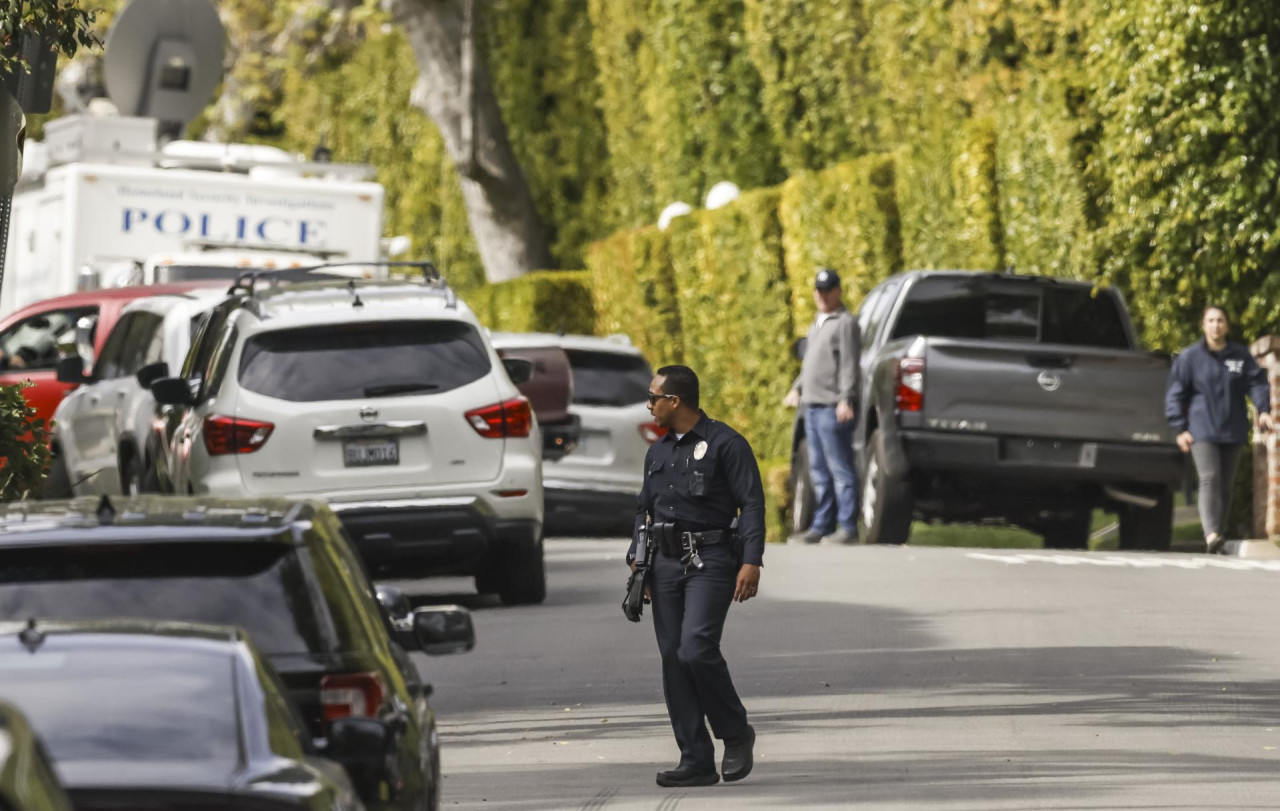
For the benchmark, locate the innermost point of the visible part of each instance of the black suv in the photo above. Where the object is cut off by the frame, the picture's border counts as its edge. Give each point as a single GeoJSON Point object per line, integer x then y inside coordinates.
{"type": "Point", "coordinates": [117, 701]}
{"type": "Point", "coordinates": [285, 572]}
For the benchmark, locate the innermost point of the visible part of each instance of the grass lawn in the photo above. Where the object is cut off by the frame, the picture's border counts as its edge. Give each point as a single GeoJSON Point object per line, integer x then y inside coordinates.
{"type": "Point", "coordinates": [1186, 536]}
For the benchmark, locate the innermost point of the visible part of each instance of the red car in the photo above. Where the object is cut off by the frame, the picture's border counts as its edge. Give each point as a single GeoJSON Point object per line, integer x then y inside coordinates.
{"type": "Point", "coordinates": [29, 338]}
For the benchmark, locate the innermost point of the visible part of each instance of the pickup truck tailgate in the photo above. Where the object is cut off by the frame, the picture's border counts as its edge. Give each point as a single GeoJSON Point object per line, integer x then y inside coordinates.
{"type": "Point", "coordinates": [1045, 390]}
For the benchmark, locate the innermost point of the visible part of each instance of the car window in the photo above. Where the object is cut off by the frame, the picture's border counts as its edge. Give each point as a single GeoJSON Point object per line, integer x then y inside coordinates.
{"type": "Point", "coordinates": [876, 315]}
{"type": "Point", "coordinates": [32, 343]}
{"type": "Point", "coordinates": [608, 378]}
{"type": "Point", "coordinates": [110, 362]}
{"type": "Point", "coordinates": [361, 360]}
{"type": "Point", "coordinates": [207, 338]}
{"type": "Point", "coordinates": [126, 705]}
{"type": "Point", "coordinates": [864, 312]}
{"type": "Point", "coordinates": [218, 362]}
{"type": "Point", "coordinates": [144, 329]}
{"type": "Point", "coordinates": [260, 587]}
{"type": "Point", "coordinates": [984, 308]}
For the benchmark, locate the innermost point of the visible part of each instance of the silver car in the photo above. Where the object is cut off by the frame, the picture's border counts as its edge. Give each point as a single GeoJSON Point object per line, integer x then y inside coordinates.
{"type": "Point", "coordinates": [595, 487]}
{"type": "Point", "coordinates": [100, 429]}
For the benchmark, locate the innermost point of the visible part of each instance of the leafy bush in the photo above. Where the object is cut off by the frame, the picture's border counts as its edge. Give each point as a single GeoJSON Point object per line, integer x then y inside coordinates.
{"type": "Point", "coordinates": [847, 218]}
{"type": "Point", "coordinates": [24, 446]}
{"type": "Point", "coordinates": [543, 301]}
{"type": "Point", "coordinates": [634, 289]}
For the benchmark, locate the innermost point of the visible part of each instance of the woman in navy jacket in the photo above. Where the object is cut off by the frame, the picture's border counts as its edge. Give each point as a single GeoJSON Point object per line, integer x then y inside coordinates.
{"type": "Point", "coordinates": [1205, 405]}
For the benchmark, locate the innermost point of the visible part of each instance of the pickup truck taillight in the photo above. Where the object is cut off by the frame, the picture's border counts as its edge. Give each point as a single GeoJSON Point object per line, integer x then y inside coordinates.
{"type": "Point", "coordinates": [351, 694]}
{"type": "Point", "coordinates": [909, 393]}
{"type": "Point", "coordinates": [228, 435]}
{"type": "Point", "coordinates": [652, 432]}
{"type": "Point", "coordinates": [510, 418]}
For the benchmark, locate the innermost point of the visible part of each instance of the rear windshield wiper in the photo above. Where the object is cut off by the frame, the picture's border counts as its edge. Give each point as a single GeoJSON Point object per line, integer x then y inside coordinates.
{"type": "Point", "coordinates": [398, 388]}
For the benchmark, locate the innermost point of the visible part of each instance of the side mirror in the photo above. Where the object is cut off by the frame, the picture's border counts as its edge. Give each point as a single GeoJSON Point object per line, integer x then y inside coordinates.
{"type": "Point", "coordinates": [798, 348]}
{"type": "Point", "coordinates": [444, 630]}
{"type": "Point", "coordinates": [518, 369]}
{"type": "Point", "coordinates": [360, 742]}
{"type": "Point", "coordinates": [71, 370]}
{"type": "Point", "coordinates": [151, 373]}
{"type": "Point", "coordinates": [84, 338]}
{"type": "Point", "coordinates": [399, 615]}
{"type": "Point", "coordinates": [174, 391]}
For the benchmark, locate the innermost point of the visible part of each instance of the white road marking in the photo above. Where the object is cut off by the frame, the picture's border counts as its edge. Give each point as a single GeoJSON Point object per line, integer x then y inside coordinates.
{"type": "Point", "coordinates": [1133, 561]}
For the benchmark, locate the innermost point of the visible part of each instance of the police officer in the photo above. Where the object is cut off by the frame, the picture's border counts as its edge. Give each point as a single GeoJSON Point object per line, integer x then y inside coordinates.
{"type": "Point", "coordinates": [699, 478]}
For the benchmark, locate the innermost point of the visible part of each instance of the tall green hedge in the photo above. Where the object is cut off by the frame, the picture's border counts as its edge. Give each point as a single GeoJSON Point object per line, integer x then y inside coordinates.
{"type": "Point", "coordinates": [845, 217]}
{"type": "Point", "coordinates": [549, 94]}
{"type": "Point", "coordinates": [817, 79]}
{"type": "Point", "coordinates": [1187, 97]}
{"type": "Point", "coordinates": [735, 312]}
{"type": "Point", "coordinates": [634, 289]}
{"type": "Point", "coordinates": [543, 301]}
{"type": "Point", "coordinates": [703, 103]}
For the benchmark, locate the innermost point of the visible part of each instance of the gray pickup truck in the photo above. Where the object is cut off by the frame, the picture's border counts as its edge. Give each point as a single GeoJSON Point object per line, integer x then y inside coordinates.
{"type": "Point", "coordinates": [1004, 398]}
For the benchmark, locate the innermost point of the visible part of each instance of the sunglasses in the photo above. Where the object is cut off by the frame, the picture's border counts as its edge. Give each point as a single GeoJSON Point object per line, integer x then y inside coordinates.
{"type": "Point", "coordinates": [654, 398]}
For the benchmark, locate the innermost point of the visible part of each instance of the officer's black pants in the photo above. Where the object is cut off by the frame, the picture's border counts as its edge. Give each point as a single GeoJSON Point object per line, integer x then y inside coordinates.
{"type": "Point", "coordinates": [688, 617]}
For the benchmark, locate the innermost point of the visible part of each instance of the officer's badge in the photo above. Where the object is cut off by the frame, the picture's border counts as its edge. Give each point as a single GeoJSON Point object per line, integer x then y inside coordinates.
{"type": "Point", "coordinates": [699, 450]}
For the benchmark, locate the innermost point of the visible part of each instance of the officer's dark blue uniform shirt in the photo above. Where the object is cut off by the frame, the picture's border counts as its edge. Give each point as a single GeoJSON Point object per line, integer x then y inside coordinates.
{"type": "Point", "coordinates": [1207, 390]}
{"type": "Point", "coordinates": [706, 493]}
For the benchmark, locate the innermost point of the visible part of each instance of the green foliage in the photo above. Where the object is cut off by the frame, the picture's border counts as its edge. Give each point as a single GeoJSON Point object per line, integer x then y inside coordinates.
{"type": "Point", "coordinates": [550, 103]}
{"type": "Point", "coordinates": [622, 43]}
{"type": "Point", "coordinates": [358, 105]}
{"type": "Point", "coordinates": [775, 474]}
{"type": "Point", "coordinates": [542, 301]}
{"type": "Point", "coordinates": [634, 288]}
{"type": "Point", "coordinates": [1187, 99]}
{"type": "Point", "coordinates": [703, 102]}
{"type": "Point", "coordinates": [845, 217]}
{"type": "Point", "coordinates": [24, 446]}
{"type": "Point", "coordinates": [62, 22]}
{"type": "Point", "coordinates": [735, 313]}
{"type": "Point", "coordinates": [816, 78]}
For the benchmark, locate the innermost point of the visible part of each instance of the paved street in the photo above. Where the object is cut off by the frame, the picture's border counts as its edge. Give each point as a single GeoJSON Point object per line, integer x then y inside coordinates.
{"type": "Point", "coordinates": [888, 678]}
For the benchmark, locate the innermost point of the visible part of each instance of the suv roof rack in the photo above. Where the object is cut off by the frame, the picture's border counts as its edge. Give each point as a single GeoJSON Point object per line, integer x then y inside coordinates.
{"type": "Point", "coordinates": [247, 281]}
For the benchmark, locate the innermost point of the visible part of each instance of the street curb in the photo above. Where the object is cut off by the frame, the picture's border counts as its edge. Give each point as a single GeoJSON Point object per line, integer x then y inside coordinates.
{"type": "Point", "coordinates": [1256, 550]}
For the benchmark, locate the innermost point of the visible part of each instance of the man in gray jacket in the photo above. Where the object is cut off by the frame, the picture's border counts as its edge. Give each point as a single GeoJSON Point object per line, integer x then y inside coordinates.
{"type": "Point", "coordinates": [827, 389]}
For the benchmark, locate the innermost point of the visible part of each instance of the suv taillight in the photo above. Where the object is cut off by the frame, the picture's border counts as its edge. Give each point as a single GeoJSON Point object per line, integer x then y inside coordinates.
{"type": "Point", "coordinates": [909, 393]}
{"type": "Point", "coordinates": [652, 432]}
{"type": "Point", "coordinates": [351, 694]}
{"type": "Point", "coordinates": [510, 418]}
{"type": "Point", "coordinates": [226, 435]}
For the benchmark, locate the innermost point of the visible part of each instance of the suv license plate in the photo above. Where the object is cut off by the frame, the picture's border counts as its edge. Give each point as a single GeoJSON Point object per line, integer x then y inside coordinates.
{"type": "Point", "coordinates": [371, 452]}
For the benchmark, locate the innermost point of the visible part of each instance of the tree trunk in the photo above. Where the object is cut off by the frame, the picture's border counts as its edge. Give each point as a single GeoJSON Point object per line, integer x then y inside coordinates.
{"type": "Point", "coordinates": [508, 231]}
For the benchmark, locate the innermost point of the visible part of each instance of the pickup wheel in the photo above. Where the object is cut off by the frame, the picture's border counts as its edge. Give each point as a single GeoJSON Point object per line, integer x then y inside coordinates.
{"type": "Point", "coordinates": [1149, 529]}
{"type": "Point", "coordinates": [521, 577]}
{"type": "Point", "coordinates": [801, 493]}
{"type": "Point", "coordinates": [884, 515]}
{"type": "Point", "coordinates": [1071, 532]}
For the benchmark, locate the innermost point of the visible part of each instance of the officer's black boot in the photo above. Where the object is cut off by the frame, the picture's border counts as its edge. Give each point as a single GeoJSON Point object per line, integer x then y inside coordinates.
{"type": "Point", "coordinates": [737, 756]}
{"type": "Point", "coordinates": [687, 777]}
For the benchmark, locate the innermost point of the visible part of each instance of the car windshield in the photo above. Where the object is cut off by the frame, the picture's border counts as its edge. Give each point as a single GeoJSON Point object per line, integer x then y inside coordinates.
{"type": "Point", "coordinates": [256, 586]}
{"type": "Point", "coordinates": [140, 703]}
{"type": "Point", "coordinates": [980, 307]}
{"type": "Point", "coordinates": [355, 361]}
{"type": "Point", "coordinates": [608, 378]}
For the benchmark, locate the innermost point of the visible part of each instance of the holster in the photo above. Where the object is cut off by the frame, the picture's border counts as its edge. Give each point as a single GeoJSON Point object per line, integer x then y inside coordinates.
{"type": "Point", "coordinates": [668, 539]}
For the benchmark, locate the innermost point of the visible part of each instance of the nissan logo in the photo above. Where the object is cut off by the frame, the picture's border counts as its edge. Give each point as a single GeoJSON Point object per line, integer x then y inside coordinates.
{"type": "Point", "coordinates": [1049, 381]}
{"type": "Point", "coordinates": [369, 413]}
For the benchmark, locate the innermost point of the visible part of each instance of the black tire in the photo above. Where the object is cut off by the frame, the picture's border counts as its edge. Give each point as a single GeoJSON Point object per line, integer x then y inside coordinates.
{"type": "Point", "coordinates": [1071, 532]}
{"type": "Point", "coordinates": [802, 503]}
{"type": "Point", "coordinates": [885, 507]}
{"type": "Point", "coordinates": [522, 574]}
{"type": "Point", "coordinates": [1148, 529]}
{"type": "Point", "coordinates": [137, 478]}
{"type": "Point", "coordinates": [58, 483]}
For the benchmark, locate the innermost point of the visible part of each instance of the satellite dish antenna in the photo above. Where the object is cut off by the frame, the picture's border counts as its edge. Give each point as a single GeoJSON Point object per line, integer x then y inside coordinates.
{"type": "Point", "coordinates": [164, 60]}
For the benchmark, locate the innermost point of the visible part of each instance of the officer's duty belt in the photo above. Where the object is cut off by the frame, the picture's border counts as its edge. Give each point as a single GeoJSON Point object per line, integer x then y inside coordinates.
{"type": "Point", "coordinates": [710, 537]}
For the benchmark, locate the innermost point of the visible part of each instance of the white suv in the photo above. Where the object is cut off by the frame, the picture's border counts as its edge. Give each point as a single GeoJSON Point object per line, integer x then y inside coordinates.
{"type": "Point", "coordinates": [101, 428]}
{"type": "Point", "coordinates": [387, 400]}
{"type": "Point", "coordinates": [594, 488]}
